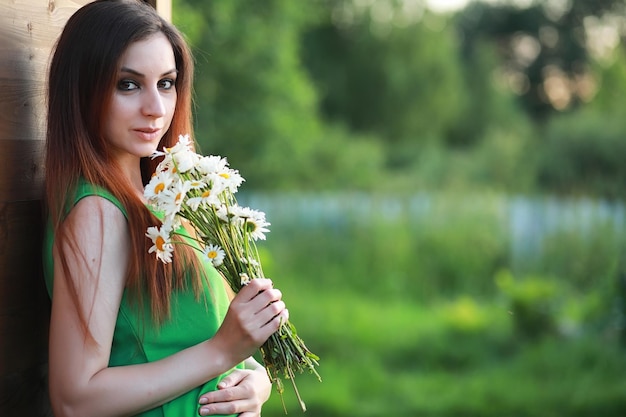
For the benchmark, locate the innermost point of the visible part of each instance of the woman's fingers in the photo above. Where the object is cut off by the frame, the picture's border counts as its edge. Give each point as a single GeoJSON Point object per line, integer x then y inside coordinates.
{"type": "Point", "coordinates": [242, 392]}
{"type": "Point", "coordinates": [254, 315]}
{"type": "Point", "coordinates": [258, 303]}
{"type": "Point", "coordinates": [231, 380]}
{"type": "Point", "coordinates": [254, 288]}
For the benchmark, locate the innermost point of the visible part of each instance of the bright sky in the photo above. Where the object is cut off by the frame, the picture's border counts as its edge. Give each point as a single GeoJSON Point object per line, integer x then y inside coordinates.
{"type": "Point", "coordinates": [446, 5]}
{"type": "Point", "coordinates": [451, 5]}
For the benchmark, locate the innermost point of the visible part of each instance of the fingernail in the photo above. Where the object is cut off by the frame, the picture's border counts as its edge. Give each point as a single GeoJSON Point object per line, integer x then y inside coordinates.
{"type": "Point", "coordinates": [204, 411]}
{"type": "Point", "coordinates": [203, 401]}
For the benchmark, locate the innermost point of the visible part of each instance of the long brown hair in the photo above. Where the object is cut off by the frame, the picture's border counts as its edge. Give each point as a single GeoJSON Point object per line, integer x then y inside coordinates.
{"type": "Point", "coordinates": [82, 77]}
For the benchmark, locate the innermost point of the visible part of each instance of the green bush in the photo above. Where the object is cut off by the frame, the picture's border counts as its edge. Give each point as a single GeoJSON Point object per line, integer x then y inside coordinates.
{"type": "Point", "coordinates": [407, 319]}
{"type": "Point", "coordinates": [457, 253]}
{"type": "Point", "coordinates": [391, 254]}
{"type": "Point", "coordinates": [583, 154]}
{"type": "Point", "coordinates": [534, 303]}
{"type": "Point", "coordinates": [588, 259]}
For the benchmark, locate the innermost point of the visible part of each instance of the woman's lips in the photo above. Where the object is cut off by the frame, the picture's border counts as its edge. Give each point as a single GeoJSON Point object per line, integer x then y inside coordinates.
{"type": "Point", "coordinates": [148, 133]}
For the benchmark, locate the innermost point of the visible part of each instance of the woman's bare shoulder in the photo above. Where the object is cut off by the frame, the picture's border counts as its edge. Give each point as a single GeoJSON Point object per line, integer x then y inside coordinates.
{"type": "Point", "coordinates": [97, 244]}
{"type": "Point", "coordinates": [93, 210]}
{"type": "Point", "coordinates": [97, 224]}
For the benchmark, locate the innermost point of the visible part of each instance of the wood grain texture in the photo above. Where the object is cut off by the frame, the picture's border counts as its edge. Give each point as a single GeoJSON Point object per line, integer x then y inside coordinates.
{"type": "Point", "coordinates": [22, 170]}
{"type": "Point", "coordinates": [24, 312]}
{"type": "Point", "coordinates": [28, 31]}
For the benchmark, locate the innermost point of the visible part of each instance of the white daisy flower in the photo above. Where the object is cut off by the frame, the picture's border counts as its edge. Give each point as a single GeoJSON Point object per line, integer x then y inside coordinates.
{"type": "Point", "coordinates": [232, 179]}
{"type": "Point", "coordinates": [197, 184]}
{"type": "Point", "coordinates": [171, 200]}
{"type": "Point", "coordinates": [253, 222]}
{"type": "Point", "coordinates": [207, 198]}
{"type": "Point", "coordinates": [217, 169]}
{"type": "Point", "coordinates": [236, 211]}
{"type": "Point", "coordinates": [256, 228]}
{"type": "Point", "coordinates": [183, 145]}
{"type": "Point", "coordinates": [157, 154]}
{"type": "Point", "coordinates": [179, 157]}
{"type": "Point", "coordinates": [217, 183]}
{"type": "Point", "coordinates": [223, 213]}
{"type": "Point", "coordinates": [162, 245]}
{"type": "Point", "coordinates": [212, 164]}
{"type": "Point", "coordinates": [184, 160]}
{"type": "Point", "coordinates": [158, 183]}
{"type": "Point", "coordinates": [215, 254]}
{"type": "Point", "coordinates": [166, 164]}
{"type": "Point", "coordinates": [245, 279]}
{"type": "Point", "coordinates": [250, 261]}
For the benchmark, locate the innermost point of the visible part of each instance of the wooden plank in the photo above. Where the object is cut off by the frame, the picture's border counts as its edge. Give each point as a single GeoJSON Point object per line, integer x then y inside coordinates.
{"type": "Point", "coordinates": [21, 176]}
{"type": "Point", "coordinates": [28, 30]}
{"type": "Point", "coordinates": [24, 312]}
{"type": "Point", "coordinates": [163, 7]}
{"type": "Point", "coordinates": [24, 303]}
{"type": "Point", "coordinates": [22, 108]}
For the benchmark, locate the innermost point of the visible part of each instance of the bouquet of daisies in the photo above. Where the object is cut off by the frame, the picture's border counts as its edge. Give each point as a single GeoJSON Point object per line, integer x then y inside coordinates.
{"type": "Point", "coordinates": [201, 190]}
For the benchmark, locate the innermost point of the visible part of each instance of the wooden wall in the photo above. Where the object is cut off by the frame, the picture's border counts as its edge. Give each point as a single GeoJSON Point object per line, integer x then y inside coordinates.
{"type": "Point", "coordinates": [28, 29]}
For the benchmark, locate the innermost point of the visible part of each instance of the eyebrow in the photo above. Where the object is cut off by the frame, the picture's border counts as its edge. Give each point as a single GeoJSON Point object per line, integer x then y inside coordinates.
{"type": "Point", "coordinates": [137, 73]}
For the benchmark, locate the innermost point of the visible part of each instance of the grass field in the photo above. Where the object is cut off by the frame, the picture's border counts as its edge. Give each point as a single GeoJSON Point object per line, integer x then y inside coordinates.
{"type": "Point", "coordinates": [430, 316]}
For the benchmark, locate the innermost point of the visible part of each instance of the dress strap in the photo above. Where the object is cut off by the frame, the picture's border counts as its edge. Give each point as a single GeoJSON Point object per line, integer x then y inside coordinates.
{"type": "Point", "coordinates": [85, 189]}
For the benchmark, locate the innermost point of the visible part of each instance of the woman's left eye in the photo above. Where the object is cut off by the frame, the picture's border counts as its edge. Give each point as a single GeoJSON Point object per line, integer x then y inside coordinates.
{"type": "Point", "coordinates": [166, 84]}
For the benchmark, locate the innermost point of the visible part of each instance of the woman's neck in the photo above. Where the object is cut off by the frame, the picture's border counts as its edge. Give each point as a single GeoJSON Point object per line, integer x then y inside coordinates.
{"type": "Point", "coordinates": [132, 171]}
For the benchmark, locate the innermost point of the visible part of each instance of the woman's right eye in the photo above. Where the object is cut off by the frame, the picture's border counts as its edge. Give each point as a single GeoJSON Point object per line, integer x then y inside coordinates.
{"type": "Point", "coordinates": [127, 85]}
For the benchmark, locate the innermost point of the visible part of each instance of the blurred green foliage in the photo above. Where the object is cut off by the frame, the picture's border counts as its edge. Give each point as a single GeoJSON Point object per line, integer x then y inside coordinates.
{"type": "Point", "coordinates": [401, 329]}
{"type": "Point", "coordinates": [430, 315]}
{"type": "Point", "coordinates": [533, 303]}
{"type": "Point", "coordinates": [346, 94]}
{"type": "Point", "coordinates": [255, 102]}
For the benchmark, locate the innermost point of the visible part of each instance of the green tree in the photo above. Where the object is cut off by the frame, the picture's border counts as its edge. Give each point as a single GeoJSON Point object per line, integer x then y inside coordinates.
{"type": "Point", "coordinates": [584, 151]}
{"type": "Point", "coordinates": [255, 102]}
{"type": "Point", "coordinates": [383, 72]}
{"type": "Point", "coordinates": [543, 48]}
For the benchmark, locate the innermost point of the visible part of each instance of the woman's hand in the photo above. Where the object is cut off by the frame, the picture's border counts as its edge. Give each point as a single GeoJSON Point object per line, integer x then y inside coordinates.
{"type": "Point", "coordinates": [254, 315]}
{"type": "Point", "coordinates": [242, 392]}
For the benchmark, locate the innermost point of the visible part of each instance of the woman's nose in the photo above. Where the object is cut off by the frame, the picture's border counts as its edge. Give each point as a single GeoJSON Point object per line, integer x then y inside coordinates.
{"type": "Point", "coordinates": [152, 104]}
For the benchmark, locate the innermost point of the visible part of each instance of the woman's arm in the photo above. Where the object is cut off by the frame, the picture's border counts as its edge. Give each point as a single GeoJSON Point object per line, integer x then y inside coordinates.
{"type": "Point", "coordinates": [81, 383]}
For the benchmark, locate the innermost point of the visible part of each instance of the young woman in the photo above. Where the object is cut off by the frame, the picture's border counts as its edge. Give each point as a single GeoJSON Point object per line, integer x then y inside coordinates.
{"type": "Point", "coordinates": [130, 335]}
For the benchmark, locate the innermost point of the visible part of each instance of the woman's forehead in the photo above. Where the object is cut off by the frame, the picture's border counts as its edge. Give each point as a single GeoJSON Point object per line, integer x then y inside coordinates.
{"type": "Point", "coordinates": [151, 55]}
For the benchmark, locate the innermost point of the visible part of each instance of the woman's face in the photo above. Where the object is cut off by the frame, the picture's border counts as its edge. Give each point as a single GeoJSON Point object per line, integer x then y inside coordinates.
{"type": "Point", "coordinates": [144, 99]}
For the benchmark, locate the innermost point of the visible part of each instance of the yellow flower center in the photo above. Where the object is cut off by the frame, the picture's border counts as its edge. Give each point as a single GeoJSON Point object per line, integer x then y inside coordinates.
{"type": "Point", "coordinates": [179, 197]}
{"type": "Point", "coordinates": [212, 254]}
{"type": "Point", "coordinates": [206, 193]}
{"type": "Point", "coordinates": [160, 243]}
{"type": "Point", "coordinates": [225, 175]}
{"type": "Point", "coordinates": [159, 187]}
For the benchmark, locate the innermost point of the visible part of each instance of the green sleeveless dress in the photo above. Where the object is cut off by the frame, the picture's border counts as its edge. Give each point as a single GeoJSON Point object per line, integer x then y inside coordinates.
{"type": "Point", "coordinates": [136, 341]}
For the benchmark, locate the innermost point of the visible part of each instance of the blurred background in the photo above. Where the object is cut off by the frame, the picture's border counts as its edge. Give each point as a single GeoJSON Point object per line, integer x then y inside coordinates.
{"type": "Point", "coordinates": [445, 182]}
